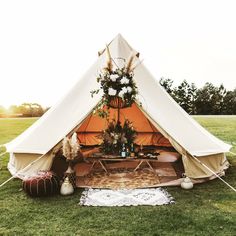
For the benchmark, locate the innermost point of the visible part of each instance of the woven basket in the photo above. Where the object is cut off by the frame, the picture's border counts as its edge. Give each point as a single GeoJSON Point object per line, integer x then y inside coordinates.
{"type": "Point", "coordinates": [117, 102]}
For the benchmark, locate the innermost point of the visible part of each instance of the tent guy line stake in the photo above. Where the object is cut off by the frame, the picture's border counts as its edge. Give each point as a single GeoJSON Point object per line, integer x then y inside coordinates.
{"type": "Point", "coordinates": [215, 174]}
{"type": "Point", "coordinates": [15, 175]}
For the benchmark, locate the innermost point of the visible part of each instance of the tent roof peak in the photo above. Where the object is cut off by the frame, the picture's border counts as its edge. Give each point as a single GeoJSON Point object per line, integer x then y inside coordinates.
{"type": "Point", "coordinates": [119, 47]}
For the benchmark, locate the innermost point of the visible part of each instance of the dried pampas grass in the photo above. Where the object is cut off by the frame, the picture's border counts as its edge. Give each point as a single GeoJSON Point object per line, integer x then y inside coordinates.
{"type": "Point", "coordinates": [66, 147]}
{"type": "Point", "coordinates": [134, 66]}
{"type": "Point", "coordinates": [130, 61]}
{"type": "Point", "coordinates": [109, 59]}
{"type": "Point", "coordinates": [75, 147]}
{"type": "Point", "coordinates": [70, 147]}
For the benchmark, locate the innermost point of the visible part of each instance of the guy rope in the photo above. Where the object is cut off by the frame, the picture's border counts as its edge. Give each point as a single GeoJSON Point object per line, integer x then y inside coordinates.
{"type": "Point", "coordinates": [214, 173]}
{"type": "Point", "coordinates": [2, 154]}
{"type": "Point", "coordinates": [16, 174]}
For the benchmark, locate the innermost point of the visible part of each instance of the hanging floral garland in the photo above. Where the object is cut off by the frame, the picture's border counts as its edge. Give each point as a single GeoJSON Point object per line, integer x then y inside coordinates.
{"type": "Point", "coordinates": [119, 91]}
{"type": "Point", "coordinates": [118, 83]}
{"type": "Point", "coordinates": [118, 86]}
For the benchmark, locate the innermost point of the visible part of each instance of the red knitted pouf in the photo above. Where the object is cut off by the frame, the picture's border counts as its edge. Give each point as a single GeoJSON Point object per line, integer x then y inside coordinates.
{"type": "Point", "coordinates": [45, 183]}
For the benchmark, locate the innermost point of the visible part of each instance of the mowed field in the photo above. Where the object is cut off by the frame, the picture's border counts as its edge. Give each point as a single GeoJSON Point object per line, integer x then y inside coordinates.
{"type": "Point", "coordinates": [208, 209]}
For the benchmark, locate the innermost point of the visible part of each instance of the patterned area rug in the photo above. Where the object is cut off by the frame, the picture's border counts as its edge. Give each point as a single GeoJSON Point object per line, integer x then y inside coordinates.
{"type": "Point", "coordinates": [135, 197]}
{"type": "Point", "coordinates": [119, 179]}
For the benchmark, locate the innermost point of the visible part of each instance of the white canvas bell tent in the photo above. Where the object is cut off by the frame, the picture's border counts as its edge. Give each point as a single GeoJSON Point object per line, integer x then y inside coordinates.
{"type": "Point", "coordinates": [162, 112]}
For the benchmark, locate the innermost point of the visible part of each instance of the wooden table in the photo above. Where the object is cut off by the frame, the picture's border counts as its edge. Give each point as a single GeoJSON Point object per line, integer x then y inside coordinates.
{"type": "Point", "coordinates": [102, 161]}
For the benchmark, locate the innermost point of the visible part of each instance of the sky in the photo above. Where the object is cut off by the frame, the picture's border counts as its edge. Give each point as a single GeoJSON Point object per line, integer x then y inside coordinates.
{"type": "Point", "coordinates": [46, 46]}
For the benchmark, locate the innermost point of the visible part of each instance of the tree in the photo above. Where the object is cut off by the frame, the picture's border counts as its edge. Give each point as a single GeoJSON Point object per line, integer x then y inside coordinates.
{"type": "Point", "coordinates": [2, 110]}
{"type": "Point", "coordinates": [37, 110]}
{"type": "Point", "coordinates": [210, 99]}
{"type": "Point", "coordinates": [229, 103]}
{"type": "Point", "coordinates": [193, 96]}
{"type": "Point", "coordinates": [167, 84]}
{"type": "Point", "coordinates": [203, 100]}
{"type": "Point", "coordinates": [31, 109]}
{"type": "Point", "coordinates": [218, 99]}
{"type": "Point", "coordinates": [185, 96]}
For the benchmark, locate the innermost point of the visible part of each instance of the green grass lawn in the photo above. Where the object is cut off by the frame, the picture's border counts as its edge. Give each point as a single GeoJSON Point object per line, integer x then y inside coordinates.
{"type": "Point", "coordinates": [208, 209]}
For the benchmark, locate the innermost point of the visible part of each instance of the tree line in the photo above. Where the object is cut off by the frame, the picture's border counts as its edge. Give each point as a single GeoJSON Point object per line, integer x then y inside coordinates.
{"type": "Point", "coordinates": [23, 110]}
{"type": "Point", "coordinates": [207, 100]}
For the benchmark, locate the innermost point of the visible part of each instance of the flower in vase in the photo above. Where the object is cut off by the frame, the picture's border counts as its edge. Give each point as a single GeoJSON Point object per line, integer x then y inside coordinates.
{"type": "Point", "coordinates": [121, 94]}
{"type": "Point", "coordinates": [124, 90]}
{"type": "Point", "coordinates": [114, 77]}
{"type": "Point", "coordinates": [129, 89]}
{"type": "Point", "coordinates": [124, 80]}
{"type": "Point", "coordinates": [111, 92]}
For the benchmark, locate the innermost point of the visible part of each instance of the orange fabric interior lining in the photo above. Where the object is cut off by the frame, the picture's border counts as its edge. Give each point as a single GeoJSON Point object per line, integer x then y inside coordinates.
{"type": "Point", "coordinates": [93, 125]}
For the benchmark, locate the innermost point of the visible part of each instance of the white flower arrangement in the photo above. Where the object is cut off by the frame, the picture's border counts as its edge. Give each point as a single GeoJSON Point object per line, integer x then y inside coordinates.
{"type": "Point", "coordinates": [129, 89]}
{"type": "Point", "coordinates": [124, 80]}
{"type": "Point", "coordinates": [114, 77]}
{"type": "Point", "coordinates": [116, 83]}
{"type": "Point", "coordinates": [121, 94]}
{"type": "Point", "coordinates": [112, 92]}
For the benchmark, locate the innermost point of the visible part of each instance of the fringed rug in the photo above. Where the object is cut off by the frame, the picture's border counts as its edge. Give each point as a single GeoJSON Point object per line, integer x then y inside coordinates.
{"type": "Point", "coordinates": [119, 179]}
{"type": "Point", "coordinates": [135, 197]}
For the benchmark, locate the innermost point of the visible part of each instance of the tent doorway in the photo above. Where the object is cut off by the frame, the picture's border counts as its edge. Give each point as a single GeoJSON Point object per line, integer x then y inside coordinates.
{"type": "Point", "coordinates": [115, 173]}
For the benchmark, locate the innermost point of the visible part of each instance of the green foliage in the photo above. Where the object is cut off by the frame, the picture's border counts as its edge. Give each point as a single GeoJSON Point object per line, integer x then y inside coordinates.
{"type": "Point", "coordinates": [208, 100]}
{"type": "Point", "coordinates": [185, 95]}
{"type": "Point", "coordinates": [117, 83]}
{"type": "Point", "coordinates": [24, 110]}
{"type": "Point", "coordinates": [115, 135]}
{"type": "Point", "coordinates": [30, 110]}
{"type": "Point", "coordinates": [167, 84]}
{"type": "Point", "coordinates": [208, 209]}
{"type": "Point", "coordinates": [229, 103]}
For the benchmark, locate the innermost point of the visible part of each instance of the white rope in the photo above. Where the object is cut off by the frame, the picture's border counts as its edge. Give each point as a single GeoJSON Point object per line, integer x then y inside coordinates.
{"type": "Point", "coordinates": [15, 175]}
{"type": "Point", "coordinates": [7, 181]}
{"type": "Point", "coordinates": [3, 154]}
{"type": "Point", "coordinates": [2, 145]}
{"type": "Point", "coordinates": [214, 173]}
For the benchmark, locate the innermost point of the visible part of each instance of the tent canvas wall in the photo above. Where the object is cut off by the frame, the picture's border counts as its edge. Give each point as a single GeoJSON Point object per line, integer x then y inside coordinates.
{"type": "Point", "coordinates": [160, 112]}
